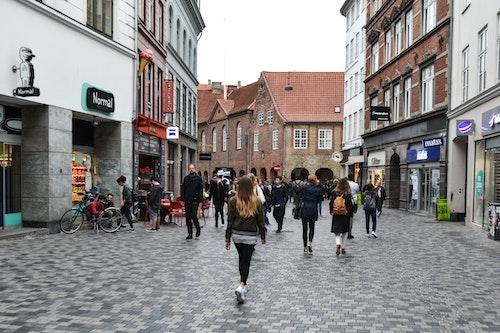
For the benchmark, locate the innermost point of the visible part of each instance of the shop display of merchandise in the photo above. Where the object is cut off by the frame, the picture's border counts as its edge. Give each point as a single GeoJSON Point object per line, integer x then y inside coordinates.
{"type": "Point", "coordinates": [78, 172]}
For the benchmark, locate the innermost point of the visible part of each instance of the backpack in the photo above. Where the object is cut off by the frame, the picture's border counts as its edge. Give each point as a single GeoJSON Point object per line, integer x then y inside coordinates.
{"type": "Point", "coordinates": [369, 203]}
{"type": "Point", "coordinates": [339, 206]}
{"type": "Point", "coordinates": [297, 187]}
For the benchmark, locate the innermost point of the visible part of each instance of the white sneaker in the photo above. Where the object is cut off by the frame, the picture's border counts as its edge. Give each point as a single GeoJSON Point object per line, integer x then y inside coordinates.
{"type": "Point", "coordinates": [368, 235]}
{"type": "Point", "coordinates": [374, 234]}
{"type": "Point", "coordinates": [240, 294]}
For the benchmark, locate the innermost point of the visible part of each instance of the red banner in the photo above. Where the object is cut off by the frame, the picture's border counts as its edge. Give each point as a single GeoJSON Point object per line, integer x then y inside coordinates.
{"type": "Point", "coordinates": [168, 97]}
{"type": "Point", "coordinates": [151, 127]}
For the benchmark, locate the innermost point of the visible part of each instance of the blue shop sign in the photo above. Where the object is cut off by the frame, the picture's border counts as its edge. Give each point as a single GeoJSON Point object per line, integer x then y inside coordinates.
{"type": "Point", "coordinates": [432, 142]}
{"type": "Point", "coordinates": [430, 154]}
{"type": "Point", "coordinates": [490, 120]}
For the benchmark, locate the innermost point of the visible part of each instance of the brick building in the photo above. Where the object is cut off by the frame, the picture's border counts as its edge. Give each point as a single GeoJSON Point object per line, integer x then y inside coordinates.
{"type": "Point", "coordinates": [272, 127]}
{"type": "Point", "coordinates": [407, 71]}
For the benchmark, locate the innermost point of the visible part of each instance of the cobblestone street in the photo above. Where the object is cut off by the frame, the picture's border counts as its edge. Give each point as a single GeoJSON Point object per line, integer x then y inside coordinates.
{"type": "Point", "coordinates": [416, 277]}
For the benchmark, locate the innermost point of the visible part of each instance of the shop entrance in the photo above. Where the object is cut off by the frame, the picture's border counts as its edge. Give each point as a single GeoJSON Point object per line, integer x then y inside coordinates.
{"type": "Point", "coordinates": [423, 190]}
{"type": "Point", "coordinates": [149, 167]}
{"type": "Point", "coordinates": [10, 185]}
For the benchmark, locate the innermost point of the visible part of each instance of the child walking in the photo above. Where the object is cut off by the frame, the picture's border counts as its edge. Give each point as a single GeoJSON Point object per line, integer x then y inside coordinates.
{"type": "Point", "coordinates": [341, 209]}
{"type": "Point", "coordinates": [245, 222]}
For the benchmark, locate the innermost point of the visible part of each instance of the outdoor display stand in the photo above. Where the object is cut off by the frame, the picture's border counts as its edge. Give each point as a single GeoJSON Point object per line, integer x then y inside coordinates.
{"type": "Point", "coordinates": [494, 227]}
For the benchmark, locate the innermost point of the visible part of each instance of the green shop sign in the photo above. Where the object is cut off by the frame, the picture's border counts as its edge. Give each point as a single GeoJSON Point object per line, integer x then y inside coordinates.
{"type": "Point", "coordinates": [479, 184]}
{"type": "Point", "coordinates": [94, 99]}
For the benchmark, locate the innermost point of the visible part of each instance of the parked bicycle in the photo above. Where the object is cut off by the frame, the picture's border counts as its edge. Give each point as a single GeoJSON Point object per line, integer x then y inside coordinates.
{"type": "Point", "coordinates": [108, 219]}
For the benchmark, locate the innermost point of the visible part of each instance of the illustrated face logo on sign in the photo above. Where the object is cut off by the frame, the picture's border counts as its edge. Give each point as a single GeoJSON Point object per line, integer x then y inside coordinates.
{"type": "Point", "coordinates": [26, 74]}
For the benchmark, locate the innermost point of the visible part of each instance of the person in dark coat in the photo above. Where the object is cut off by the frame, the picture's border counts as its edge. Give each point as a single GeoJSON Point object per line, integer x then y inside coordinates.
{"type": "Point", "coordinates": [311, 196]}
{"type": "Point", "coordinates": [341, 209]}
{"type": "Point", "coordinates": [218, 194]}
{"type": "Point", "coordinates": [279, 197]}
{"type": "Point", "coordinates": [192, 195]}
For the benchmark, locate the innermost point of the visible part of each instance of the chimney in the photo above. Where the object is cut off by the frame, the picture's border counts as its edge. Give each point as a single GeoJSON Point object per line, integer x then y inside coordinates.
{"type": "Point", "coordinates": [217, 87]}
{"type": "Point", "coordinates": [225, 92]}
{"type": "Point", "coordinates": [209, 82]}
{"type": "Point", "coordinates": [239, 84]}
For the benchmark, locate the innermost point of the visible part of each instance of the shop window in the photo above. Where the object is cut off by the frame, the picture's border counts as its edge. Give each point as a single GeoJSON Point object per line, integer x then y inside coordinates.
{"type": "Point", "coordinates": [10, 185]}
{"type": "Point", "coordinates": [100, 15]}
{"type": "Point", "coordinates": [83, 133]}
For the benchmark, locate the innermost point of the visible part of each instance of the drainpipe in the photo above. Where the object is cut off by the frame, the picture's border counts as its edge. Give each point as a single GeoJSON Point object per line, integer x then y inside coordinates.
{"type": "Point", "coordinates": [449, 82]}
{"type": "Point", "coordinates": [135, 110]}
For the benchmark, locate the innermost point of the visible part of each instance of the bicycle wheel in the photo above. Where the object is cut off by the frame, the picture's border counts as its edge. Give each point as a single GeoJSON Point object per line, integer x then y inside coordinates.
{"type": "Point", "coordinates": [110, 219]}
{"type": "Point", "coordinates": [71, 221]}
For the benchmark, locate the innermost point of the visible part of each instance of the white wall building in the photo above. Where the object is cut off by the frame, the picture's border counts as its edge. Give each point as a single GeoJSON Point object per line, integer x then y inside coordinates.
{"type": "Point", "coordinates": [355, 13]}
{"type": "Point", "coordinates": [184, 27]}
{"type": "Point", "coordinates": [80, 56]}
{"type": "Point", "coordinates": [474, 129]}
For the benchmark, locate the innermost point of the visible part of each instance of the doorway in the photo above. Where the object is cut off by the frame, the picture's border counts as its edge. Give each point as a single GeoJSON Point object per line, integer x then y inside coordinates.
{"type": "Point", "coordinates": [423, 190]}
{"type": "Point", "coordinates": [10, 185]}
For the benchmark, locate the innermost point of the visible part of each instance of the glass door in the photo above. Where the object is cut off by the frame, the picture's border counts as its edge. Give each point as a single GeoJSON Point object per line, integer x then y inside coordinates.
{"type": "Point", "coordinates": [414, 190]}
{"type": "Point", "coordinates": [10, 185]}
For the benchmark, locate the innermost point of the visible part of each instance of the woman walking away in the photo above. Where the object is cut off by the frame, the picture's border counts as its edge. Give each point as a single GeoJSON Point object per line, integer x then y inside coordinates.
{"type": "Point", "coordinates": [341, 208]}
{"type": "Point", "coordinates": [245, 221]}
{"type": "Point", "coordinates": [311, 196]}
{"type": "Point", "coordinates": [370, 200]}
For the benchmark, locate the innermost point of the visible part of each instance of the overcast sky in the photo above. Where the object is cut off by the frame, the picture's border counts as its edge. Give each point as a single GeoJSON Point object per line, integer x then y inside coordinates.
{"type": "Point", "coordinates": [244, 37]}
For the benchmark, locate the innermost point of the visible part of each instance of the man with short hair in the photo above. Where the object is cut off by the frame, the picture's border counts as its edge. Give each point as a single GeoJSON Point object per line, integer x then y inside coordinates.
{"type": "Point", "coordinates": [126, 201]}
{"type": "Point", "coordinates": [354, 192]}
{"type": "Point", "coordinates": [192, 194]}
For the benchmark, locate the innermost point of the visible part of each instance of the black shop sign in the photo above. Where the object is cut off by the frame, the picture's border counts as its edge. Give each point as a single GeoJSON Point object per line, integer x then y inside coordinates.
{"type": "Point", "coordinates": [100, 100]}
{"type": "Point", "coordinates": [380, 113]}
{"type": "Point", "coordinates": [148, 144]}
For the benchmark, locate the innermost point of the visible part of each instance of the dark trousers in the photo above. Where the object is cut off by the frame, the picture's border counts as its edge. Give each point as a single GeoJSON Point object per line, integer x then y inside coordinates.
{"type": "Point", "coordinates": [307, 224]}
{"type": "Point", "coordinates": [192, 217]}
{"type": "Point", "coordinates": [245, 252]}
{"type": "Point", "coordinates": [219, 209]}
{"type": "Point", "coordinates": [373, 215]}
{"type": "Point", "coordinates": [279, 215]}
{"type": "Point", "coordinates": [125, 210]}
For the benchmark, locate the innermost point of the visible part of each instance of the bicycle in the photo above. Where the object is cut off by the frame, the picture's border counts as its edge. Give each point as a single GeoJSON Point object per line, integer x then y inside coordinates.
{"type": "Point", "coordinates": [109, 219]}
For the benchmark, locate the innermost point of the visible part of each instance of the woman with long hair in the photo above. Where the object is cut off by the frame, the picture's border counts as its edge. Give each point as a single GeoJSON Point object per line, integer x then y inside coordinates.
{"type": "Point", "coordinates": [311, 196]}
{"type": "Point", "coordinates": [245, 222]}
{"type": "Point", "coordinates": [342, 209]}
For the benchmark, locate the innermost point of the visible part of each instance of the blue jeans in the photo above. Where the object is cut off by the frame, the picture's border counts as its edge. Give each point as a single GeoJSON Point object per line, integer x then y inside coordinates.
{"type": "Point", "coordinates": [373, 215]}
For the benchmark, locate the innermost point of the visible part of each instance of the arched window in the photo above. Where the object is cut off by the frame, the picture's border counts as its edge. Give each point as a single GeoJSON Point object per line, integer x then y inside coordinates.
{"type": "Point", "coordinates": [190, 54]}
{"type": "Point", "coordinates": [170, 19]}
{"type": "Point", "coordinates": [214, 140]}
{"type": "Point", "coordinates": [178, 32]}
{"type": "Point", "coordinates": [224, 138]}
{"type": "Point", "coordinates": [238, 136]}
{"type": "Point", "coordinates": [203, 142]}
{"type": "Point", "coordinates": [184, 45]}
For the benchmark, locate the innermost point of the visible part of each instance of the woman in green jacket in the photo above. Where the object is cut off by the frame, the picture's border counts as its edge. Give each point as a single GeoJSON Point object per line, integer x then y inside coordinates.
{"type": "Point", "coordinates": [245, 223]}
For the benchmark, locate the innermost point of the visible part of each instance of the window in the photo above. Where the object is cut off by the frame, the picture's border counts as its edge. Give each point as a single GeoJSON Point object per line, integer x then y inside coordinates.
{"type": "Point", "coordinates": [214, 140]}
{"type": "Point", "coordinates": [224, 138]}
{"type": "Point", "coordinates": [190, 53]}
{"type": "Point", "coordinates": [361, 74]}
{"type": "Point", "coordinates": [347, 128]}
{"type": "Point", "coordinates": [256, 141]}
{"type": "Point", "coordinates": [150, 15]}
{"type": "Point", "coordinates": [347, 55]}
{"type": "Point", "coordinates": [355, 129]}
{"type": "Point", "coordinates": [325, 139]}
{"type": "Point", "coordinates": [358, 8]}
{"type": "Point", "coordinates": [395, 108]}
{"type": "Point", "coordinates": [100, 15]}
{"type": "Point", "coordinates": [482, 59]}
{"type": "Point", "coordinates": [348, 20]}
{"type": "Point", "coordinates": [270, 117]}
{"type": "Point", "coordinates": [183, 109]}
{"type": "Point", "coordinates": [427, 88]}
{"type": "Point", "coordinates": [238, 136]}
{"type": "Point", "coordinates": [388, 46]}
{"type": "Point", "coordinates": [150, 88]}
{"type": "Point", "coordinates": [140, 6]}
{"type": "Point", "coordinates": [397, 38]}
{"type": "Point", "coordinates": [184, 45]}
{"type": "Point", "coordinates": [376, 6]}
{"type": "Point", "coordinates": [160, 23]}
{"type": "Point", "coordinates": [336, 109]}
{"type": "Point", "coordinates": [374, 57]}
{"type": "Point", "coordinates": [195, 62]}
{"type": "Point", "coordinates": [407, 98]}
{"type": "Point", "coordinates": [170, 27]}
{"type": "Point", "coordinates": [387, 99]}
{"type": "Point", "coordinates": [300, 139]}
{"type": "Point", "coordinates": [357, 45]}
{"type": "Point", "coordinates": [275, 139]}
{"type": "Point", "coordinates": [346, 91]}
{"type": "Point", "coordinates": [261, 119]}
{"type": "Point", "coordinates": [203, 142]}
{"type": "Point", "coordinates": [373, 123]}
{"type": "Point", "coordinates": [355, 84]}
{"type": "Point", "coordinates": [351, 90]}
{"type": "Point", "coordinates": [465, 74]}
{"type": "Point", "coordinates": [409, 28]}
{"type": "Point", "coordinates": [352, 51]}
{"type": "Point", "coordinates": [360, 112]}
{"type": "Point", "coordinates": [344, 130]}
{"type": "Point", "coordinates": [177, 102]}
{"type": "Point", "coordinates": [158, 106]}
{"type": "Point", "coordinates": [429, 15]}
{"type": "Point", "coordinates": [178, 37]}
{"type": "Point", "coordinates": [351, 134]}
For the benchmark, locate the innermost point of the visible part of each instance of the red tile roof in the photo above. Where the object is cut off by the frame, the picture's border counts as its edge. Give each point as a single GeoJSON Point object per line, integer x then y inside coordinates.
{"type": "Point", "coordinates": [206, 102]}
{"type": "Point", "coordinates": [243, 97]}
{"type": "Point", "coordinates": [226, 104]}
{"type": "Point", "coordinates": [313, 97]}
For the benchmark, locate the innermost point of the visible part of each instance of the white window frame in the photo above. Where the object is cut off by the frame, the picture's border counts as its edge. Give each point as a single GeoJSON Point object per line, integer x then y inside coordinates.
{"type": "Point", "coordinates": [373, 123]}
{"type": "Point", "coordinates": [375, 57]}
{"type": "Point", "coordinates": [350, 131]}
{"type": "Point", "coordinates": [398, 46]}
{"type": "Point", "coordinates": [351, 90]}
{"type": "Point", "coordinates": [427, 89]}
{"type": "Point", "coordinates": [361, 122]}
{"type": "Point", "coordinates": [352, 51]}
{"type": "Point", "coordinates": [388, 46]}
{"type": "Point", "coordinates": [355, 126]}
{"type": "Point", "coordinates": [357, 45]}
{"type": "Point", "coordinates": [409, 28]}
{"type": "Point", "coordinates": [275, 139]}
{"type": "Point", "coordinates": [396, 93]}
{"type": "Point", "coordinates": [325, 138]}
{"type": "Point", "coordinates": [238, 136]}
{"type": "Point", "coordinates": [256, 141]}
{"type": "Point", "coordinates": [224, 138]}
{"type": "Point", "coordinates": [387, 100]}
{"type": "Point", "coordinates": [347, 55]}
{"type": "Point", "coordinates": [465, 74]}
{"type": "Point", "coordinates": [344, 129]}
{"type": "Point", "coordinates": [300, 138]}
{"type": "Point", "coordinates": [261, 119]}
{"type": "Point", "coordinates": [214, 140]}
{"type": "Point", "coordinates": [270, 117]}
{"type": "Point", "coordinates": [407, 98]}
{"type": "Point", "coordinates": [356, 84]}
{"type": "Point", "coordinates": [429, 15]}
{"type": "Point", "coordinates": [482, 51]}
